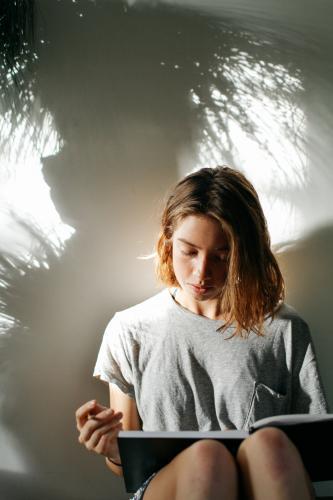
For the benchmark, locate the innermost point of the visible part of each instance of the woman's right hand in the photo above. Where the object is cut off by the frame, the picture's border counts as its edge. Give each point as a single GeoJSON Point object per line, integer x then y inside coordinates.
{"type": "Point", "coordinates": [99, 427]}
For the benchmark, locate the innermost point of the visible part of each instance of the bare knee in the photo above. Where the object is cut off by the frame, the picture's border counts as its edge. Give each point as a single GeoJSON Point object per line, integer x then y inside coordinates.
{"type": "Point", "coordinates": [270, 446]}
{"type": "Point", "coordinates": [267, 437]}
{"type": "Point", "coordinates": [202, 464]}
{"type": "Point", "coordinates": [209, 468]}
{"type": "Point", "coordinates": [269, 461]}
{"type": "Point", "coordinates": [209, 457]}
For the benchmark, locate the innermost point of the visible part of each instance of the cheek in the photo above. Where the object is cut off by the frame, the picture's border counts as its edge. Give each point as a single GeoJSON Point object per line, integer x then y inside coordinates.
{"type": "Point", "coordinates": [220, 273]}
{"type": "Point", "coordinates": [181, 265]}
{"type": "Point", "coordinates": [224, 272]}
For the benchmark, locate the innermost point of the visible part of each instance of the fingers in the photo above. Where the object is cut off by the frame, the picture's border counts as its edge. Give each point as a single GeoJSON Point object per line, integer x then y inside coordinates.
{"type": "Point", "coordinates": [106, 413]}
{"type": "Point", "coordinates": [107, 445]}
{"type": "Point", "coordinates": [98, 428]}
{"type": "Point", "coordinates": [106, 431]}
{"type": "Point", "coordinates": [85, 410]}
{"type": "Point", "coordinates": [98, 422]}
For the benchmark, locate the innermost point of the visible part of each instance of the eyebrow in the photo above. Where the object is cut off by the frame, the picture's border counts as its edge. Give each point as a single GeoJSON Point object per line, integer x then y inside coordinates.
{"type": "Point", "coordinates": [199, 248]}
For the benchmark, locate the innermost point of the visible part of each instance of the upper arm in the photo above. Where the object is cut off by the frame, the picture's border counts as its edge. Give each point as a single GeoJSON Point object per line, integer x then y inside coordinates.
{"type": "Point", "coordinates": [119, 401]}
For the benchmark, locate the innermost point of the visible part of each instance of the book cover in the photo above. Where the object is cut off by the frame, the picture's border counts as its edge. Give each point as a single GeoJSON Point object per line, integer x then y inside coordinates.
{"type": "Point", "coordinates": [143, 453]}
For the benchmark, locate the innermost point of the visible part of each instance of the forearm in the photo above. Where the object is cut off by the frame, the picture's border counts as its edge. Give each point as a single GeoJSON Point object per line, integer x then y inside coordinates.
{"type": "Point", "coordinates": [116, 469]}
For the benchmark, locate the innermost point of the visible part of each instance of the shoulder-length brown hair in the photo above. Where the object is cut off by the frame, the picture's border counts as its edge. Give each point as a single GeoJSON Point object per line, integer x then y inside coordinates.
{"type": "Point", "coordinates": [254, 285]}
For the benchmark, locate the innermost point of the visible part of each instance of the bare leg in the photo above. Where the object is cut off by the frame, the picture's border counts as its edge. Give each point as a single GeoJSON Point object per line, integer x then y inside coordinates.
{"type": "Point", "coordinates": [271, 467]}
{"type": "Point", "coordinates": [203, 471]}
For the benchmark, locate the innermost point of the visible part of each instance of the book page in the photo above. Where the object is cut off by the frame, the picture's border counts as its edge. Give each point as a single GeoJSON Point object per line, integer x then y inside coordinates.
{"type": "Point", "coordinates": [284, 420]}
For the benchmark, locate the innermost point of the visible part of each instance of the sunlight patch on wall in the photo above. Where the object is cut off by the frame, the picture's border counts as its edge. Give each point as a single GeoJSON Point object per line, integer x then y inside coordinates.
{"type": "Point", "coordinates": [30, 226]}
{"type": "Point", "coordinates": [258, 129]}
{"type": "Point", "coordinates": [27, 213]}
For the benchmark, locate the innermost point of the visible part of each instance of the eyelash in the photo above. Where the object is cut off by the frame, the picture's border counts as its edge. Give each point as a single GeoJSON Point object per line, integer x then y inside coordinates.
{"type": "Point", "coordinates": [225, 257]}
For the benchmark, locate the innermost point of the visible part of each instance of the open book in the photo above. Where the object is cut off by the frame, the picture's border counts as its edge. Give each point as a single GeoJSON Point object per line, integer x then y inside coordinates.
{"type": "Point", "coordinates": [143, 453]}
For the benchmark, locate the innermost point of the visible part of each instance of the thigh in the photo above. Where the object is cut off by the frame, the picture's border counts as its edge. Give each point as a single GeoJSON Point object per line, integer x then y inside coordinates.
{"type": "Point", "coordinates": [161, 485]}
{"type": "Point", "coordinates": [164, 488]}
{"type": "Point", "coordinates": [269, 461]}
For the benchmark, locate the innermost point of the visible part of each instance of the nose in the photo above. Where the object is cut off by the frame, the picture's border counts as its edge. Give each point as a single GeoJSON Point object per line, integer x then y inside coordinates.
{"type": "Point", "coordinates": [202, 272]}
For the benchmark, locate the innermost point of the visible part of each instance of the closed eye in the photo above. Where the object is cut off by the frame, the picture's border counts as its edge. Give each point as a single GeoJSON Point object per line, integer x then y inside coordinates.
{"type": "Point", "coordinates": [223, 257]}
{"type": "Point", "coordinates": [188, 253]}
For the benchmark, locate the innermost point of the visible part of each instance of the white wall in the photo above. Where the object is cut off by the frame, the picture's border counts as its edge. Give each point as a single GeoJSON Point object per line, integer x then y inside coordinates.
{"type": "Point", "coordinates": [116, 86]}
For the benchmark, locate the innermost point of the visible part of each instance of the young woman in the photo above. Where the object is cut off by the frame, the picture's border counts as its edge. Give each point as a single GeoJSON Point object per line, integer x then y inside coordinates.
{"type": "Point", "coordinates": [217, 348]}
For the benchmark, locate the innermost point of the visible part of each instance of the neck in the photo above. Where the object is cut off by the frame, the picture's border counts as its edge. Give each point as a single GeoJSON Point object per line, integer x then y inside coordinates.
{"type": "Point", "coordinates": [208, 308]}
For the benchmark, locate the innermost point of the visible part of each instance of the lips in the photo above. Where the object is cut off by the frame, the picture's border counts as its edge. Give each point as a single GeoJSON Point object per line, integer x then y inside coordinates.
{"type": "Point", "coordinates": [200, 288]}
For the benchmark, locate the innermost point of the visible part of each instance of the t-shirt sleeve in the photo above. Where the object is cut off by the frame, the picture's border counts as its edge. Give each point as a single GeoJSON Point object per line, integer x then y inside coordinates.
{"type": "Point", "coordinates": [113, 361]}
{"type": "Point", "coordinates": [308, 391]}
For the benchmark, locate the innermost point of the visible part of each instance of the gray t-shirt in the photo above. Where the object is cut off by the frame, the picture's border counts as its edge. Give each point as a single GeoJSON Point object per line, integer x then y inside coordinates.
{"type": "Point", "coordinates": [185, 375]}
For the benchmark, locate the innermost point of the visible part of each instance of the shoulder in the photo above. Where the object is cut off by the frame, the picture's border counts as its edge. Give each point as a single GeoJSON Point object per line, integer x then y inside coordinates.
{"type": "Point", "coordinates": [142, 320]}
{"type": "Point", "coordinates": [288, 314]}
{"type": "Point", "coordinates": [288, 323]}
{"type": "Point", "coordinates": [154, 307]}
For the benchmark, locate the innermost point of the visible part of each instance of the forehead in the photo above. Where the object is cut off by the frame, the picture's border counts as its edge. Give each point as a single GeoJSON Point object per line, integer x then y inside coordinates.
{"type": "Point", "coordinates": [201, 230]}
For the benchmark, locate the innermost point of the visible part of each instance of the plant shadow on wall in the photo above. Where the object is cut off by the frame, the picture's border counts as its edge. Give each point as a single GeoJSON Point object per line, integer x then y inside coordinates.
{"type": "Point", "coordinates": [127, 89]}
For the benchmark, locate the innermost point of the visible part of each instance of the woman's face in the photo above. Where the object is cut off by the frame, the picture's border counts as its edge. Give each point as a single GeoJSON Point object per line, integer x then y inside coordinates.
{"type": "Point", "coordinates": [200, 251]}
